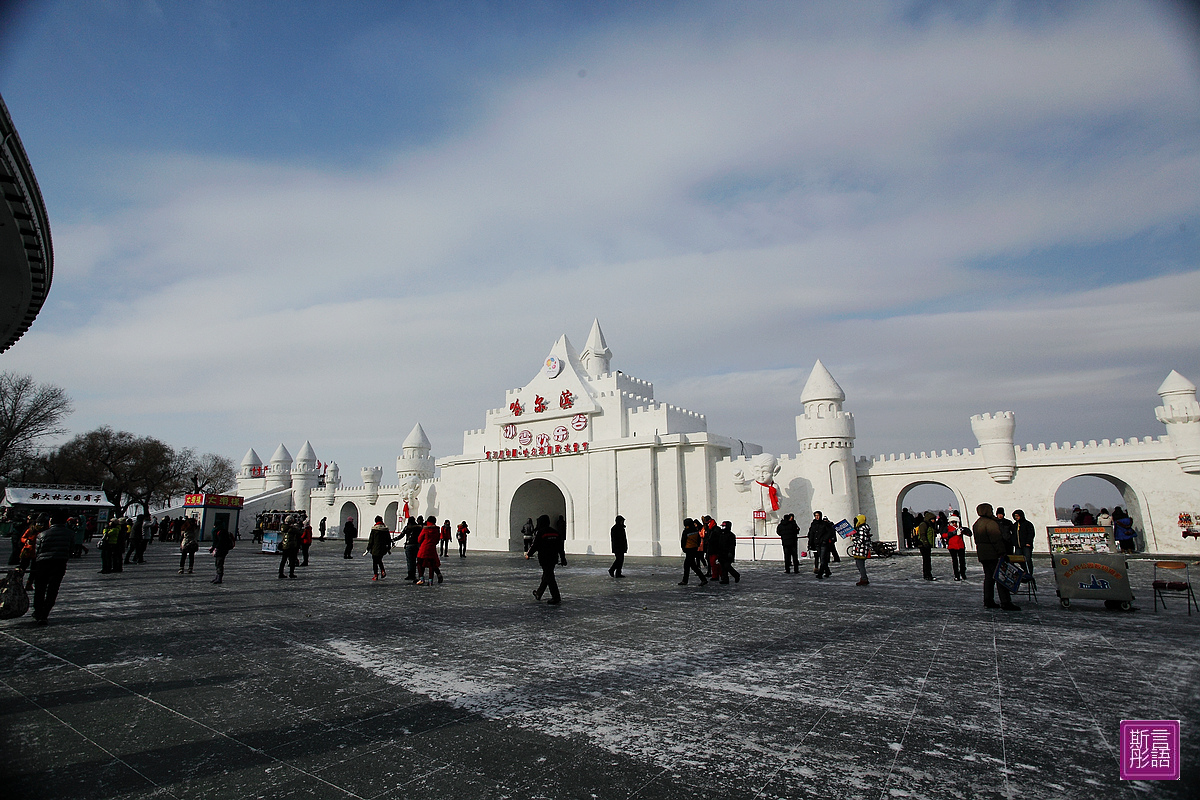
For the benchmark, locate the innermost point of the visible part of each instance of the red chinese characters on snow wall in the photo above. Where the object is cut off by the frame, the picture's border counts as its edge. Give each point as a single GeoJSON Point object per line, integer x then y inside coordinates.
{"type": "Point", "coordinates": [537, 452]}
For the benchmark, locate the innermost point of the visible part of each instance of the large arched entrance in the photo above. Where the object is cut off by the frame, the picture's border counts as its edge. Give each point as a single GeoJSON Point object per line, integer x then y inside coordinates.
{"type": "Point", "coordinates": [924, 496]}
{"type": "Point", "coordinates": [349, 511]}
{"type": "Point", "coordinates": [1096, 490]}
{"type": "Point", "coordinates": [389, 516]}
{"type": "Point", "coordinates": [534, 498]}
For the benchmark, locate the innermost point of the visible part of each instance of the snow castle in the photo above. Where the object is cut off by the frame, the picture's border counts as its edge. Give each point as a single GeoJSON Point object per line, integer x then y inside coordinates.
{"type": "Point", "coordinates": [586, 442]}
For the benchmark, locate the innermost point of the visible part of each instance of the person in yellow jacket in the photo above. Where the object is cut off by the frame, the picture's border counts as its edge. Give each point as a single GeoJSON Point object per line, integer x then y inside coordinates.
{"type": "Point", "coordinates": [110, 546]}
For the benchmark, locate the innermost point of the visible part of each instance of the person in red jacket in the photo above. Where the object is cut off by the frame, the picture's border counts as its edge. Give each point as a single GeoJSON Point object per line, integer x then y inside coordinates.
{"type": "Point", "coordinates": [427, 552]}
{"type": "Point", "coordinates": [305, 542]}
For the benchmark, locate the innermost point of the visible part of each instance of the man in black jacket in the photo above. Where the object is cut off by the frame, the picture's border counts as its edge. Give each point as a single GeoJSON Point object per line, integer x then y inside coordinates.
{"type": "Point", "coordinates": [53, 549]}
{"type": "Point", "coordinates": [726, 549]}
{"type": "Point", "coordinates": [821, 534]}
{"type": "Point", "coordinates": [349, 533]}
{"type": "Point", "coordinates": [549, 544]}
{"type": "Point", "coordinates": [223, 542]}
{"type": "Point", "coordinates": [620, 545]}
{"type": "Point", "coordinates": [788, 532]}
{"type": "Point", "coordinates": [411, 534]}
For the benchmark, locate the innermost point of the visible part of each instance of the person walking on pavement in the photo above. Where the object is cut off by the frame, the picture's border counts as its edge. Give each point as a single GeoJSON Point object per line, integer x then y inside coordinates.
{"type": "Point", "coordinates": [957, 546]}
{"type": "Point", "coordinates": [188, 545]}
{"type": "Point", "coordinates": [445, 538]}
{"type": "Point", "coordinates": [379, 542]}
{"type": "Point", "coordinates": [349, 533]}
{"type": "Point", "coordinates": [289, 546]}
{"type": "Point", "coordinates": [137, 542]}
{"type": "Point", "coordinates": [305, 542]}
{"type": "Point", "coordinates": [789, 534]}
{"type": "Point", "coordinates": [620, 546]}
{"type": "Point", "coordinates": [550, 546]}
{"type": "Point", "coordinates": [990, 547]}
{"type": "Point", "coordinates": [50, 564]}
{"type": "Point", "coordinates": [527, 533]}
{"type": "Point", "coordinates": [321, 528]}
{"type": "Point", "coordinates": [860, 548]}
{"type": "Point", "coordinates": [725, 541]}
{"type": "Point", "coordinates": [427, 552]}
{"type": "Point", "coordinates": [689, 542]}
{"type": "Point", "coordinates": [926, 536]}
{"type": "Point", "coordinates": [821, 534]}
{"type": "Point", "coordinates": [108, 545]}
{"type": "Point", "coordinates": [223, 542]}
{"type": "Point", "coordinates": [462, 533]}
{"type": "Point", "coordinates": [412, 541]}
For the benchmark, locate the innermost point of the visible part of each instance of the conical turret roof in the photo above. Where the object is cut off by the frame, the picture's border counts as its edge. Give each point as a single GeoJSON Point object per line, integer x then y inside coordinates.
{"type": "Point", "coordinates": [595, 341]}
{"type": "Point", "coordinates": [306, 452]}
{"type": "Point", "coordinates": [251, 459]}
{"type": "Point", "coordinates": [1176, 384]}
{"type": "Point", "coordinates": [417, 439]}
{"type": "Point", "coordinates": [282, 456]}
{"type": "Point", "coordinates": [821, 386]}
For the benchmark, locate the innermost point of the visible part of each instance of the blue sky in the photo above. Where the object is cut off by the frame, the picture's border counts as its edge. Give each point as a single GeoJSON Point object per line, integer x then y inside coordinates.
{"type": "Point", "coordinates": [371, 215]}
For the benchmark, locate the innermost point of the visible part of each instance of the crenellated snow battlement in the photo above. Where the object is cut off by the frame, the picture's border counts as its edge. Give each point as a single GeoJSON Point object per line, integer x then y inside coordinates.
{"type": "Point", "coordinates": [1030, 455]}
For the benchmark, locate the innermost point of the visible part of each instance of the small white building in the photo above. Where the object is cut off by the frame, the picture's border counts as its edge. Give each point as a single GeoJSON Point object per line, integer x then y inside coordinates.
{"type": "Point", "coordinates": [585, 442]}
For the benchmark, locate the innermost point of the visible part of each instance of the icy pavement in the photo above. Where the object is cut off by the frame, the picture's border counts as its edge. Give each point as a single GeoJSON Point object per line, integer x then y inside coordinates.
{"type": "Point", "coordinates": [151, 684]}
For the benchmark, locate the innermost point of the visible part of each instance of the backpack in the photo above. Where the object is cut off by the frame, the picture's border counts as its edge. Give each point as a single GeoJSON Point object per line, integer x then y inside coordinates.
{"type": "Point", "coordinates": [14, 600]}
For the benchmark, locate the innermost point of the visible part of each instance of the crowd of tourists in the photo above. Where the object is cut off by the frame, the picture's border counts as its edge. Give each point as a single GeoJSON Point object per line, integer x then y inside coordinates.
{"type": "Point", "coordinates": [709, 550]}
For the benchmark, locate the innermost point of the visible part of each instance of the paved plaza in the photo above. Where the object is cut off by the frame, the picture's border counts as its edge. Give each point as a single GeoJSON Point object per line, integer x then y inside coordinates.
{"type": "Point", "coordinates": [151, 684]}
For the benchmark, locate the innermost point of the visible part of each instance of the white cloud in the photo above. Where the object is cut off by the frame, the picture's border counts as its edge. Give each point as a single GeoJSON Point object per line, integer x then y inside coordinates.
{"type": "Point", "coordinates": [731, 205]}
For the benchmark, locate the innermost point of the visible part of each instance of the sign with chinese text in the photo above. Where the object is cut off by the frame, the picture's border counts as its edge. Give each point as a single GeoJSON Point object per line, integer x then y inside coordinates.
{"type": "Point", "coordinates": [543, 449]}
{"type": "Point", "coordinates": [844, 529]}
{"type": "Point", "coordinates": [760, 514]}
{"type": "Point", "coordinates": [1149, 749]}
{"type": "Point", "coordinates": [18, 495]}
{"type": "Point", "coordinates": [212, 500]}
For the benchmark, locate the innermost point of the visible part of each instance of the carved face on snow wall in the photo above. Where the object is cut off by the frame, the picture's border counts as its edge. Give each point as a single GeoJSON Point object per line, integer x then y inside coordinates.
{"type": "Point", "coordinates": [764, 468]}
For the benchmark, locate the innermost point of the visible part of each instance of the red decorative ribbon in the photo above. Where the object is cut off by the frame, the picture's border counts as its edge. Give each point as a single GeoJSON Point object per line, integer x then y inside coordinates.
{"type": "Point", "coordinates": [773, 492]}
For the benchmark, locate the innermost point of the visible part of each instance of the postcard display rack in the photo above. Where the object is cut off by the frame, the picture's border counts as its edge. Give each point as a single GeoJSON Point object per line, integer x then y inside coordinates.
{"type": "Point", "coordinates": [1088, 565]}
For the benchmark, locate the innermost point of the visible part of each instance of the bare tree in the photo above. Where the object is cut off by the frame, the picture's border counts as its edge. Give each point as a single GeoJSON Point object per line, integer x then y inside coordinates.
{"type": "Point", "coordinates": [29, 411]}
{"type": "Point", "coordinates": [134, 470]}
{"type": "Point", "coordinates": [209, 473]}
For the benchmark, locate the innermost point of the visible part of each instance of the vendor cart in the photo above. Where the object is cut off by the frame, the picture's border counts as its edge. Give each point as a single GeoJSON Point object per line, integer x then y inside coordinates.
{"type": "Point", "coordinates": [1088, 565]}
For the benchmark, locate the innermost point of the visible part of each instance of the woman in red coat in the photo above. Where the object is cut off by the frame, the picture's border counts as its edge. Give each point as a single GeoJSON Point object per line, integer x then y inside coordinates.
{"type": "Point", "coordinates": [427, 552]}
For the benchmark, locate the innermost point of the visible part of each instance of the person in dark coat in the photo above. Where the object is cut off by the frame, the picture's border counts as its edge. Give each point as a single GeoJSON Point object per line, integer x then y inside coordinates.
{"type": "Point", "coordinates": [379, 544]}
{"type": "Point", "coordinates": [990, 547]}
{"type": "Point", "coordinates": [789, 532]}
{"type": "Point", "coordinates": [560, 525]}
{"type": "Point", "coordinates": [223, 542]}
{"type": "Point", "coordinates": [821, 534]}
{"type": "Point", "coordinates": [349, 533]}
{"type": "Point", "coordinates": [321, 528]}
{"type": "Point", "coordinates": [1025, 536]}
{"type": "Point", "coordinates": [550, 546]}
{"type": "Point", "coordinates": [50, 564]}
{"type": "Point", "coordinates": [926, 537]}
{"type": "Point", "coordinates": [527, 533]}
{"type": "Point", "coordinates": [412, 541]}
{"type": "Point", "coordinates": [689, 542]}
{"type": "Point", "coordinates": [726, 544]}
{"type": "Point", "coordinates": [289, 546]}
{"type": "Point", "coordinates": [620, 546]}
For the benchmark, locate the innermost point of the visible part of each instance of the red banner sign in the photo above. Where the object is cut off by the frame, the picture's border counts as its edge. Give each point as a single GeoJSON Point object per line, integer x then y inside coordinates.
{"type": "Point", "coordinates": [212, 500]}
